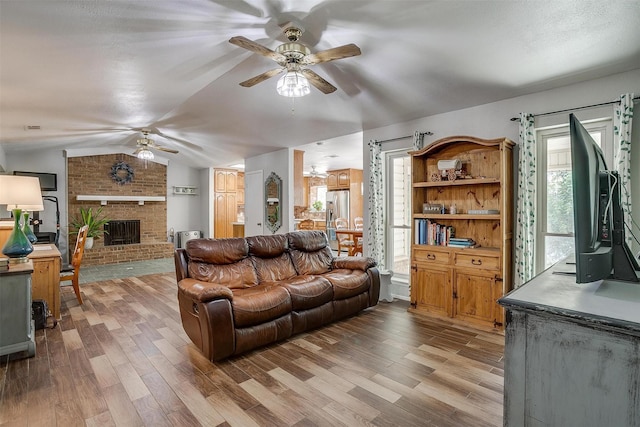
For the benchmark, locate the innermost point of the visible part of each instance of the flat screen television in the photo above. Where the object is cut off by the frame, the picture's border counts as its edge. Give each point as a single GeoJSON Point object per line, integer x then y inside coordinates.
{"type": "Point", "coordinates": [601, 251]}
{"type": "Point", "coordinates": [48, 181]}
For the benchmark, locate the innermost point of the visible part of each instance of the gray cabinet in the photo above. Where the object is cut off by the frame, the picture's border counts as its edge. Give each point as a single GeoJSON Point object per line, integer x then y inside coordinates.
{"type": "Point", "coordinates": [17, 331]}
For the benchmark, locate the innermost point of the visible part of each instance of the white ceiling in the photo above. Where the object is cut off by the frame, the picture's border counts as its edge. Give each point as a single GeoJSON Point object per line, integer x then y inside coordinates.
{"type": "Point", "coordinates": [86, 70]}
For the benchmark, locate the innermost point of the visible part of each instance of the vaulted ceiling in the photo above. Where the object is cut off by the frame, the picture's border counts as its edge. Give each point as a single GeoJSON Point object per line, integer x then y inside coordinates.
{"type": "Point", "coordinates": [88, 72]}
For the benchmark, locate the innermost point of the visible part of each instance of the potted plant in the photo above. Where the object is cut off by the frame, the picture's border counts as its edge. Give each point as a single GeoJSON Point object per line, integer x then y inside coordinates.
{"type": "Point", "coordinates": [317, 205]}
{"type": "Point", "coordinates": [94, 221]}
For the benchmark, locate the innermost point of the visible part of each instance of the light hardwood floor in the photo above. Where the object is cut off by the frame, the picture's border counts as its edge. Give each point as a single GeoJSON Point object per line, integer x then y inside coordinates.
{"type": "Point", "coordinates": [123, 358]}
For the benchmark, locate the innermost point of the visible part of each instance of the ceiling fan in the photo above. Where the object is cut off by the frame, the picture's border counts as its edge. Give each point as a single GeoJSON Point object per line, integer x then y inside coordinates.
{"type": "Point", "coordinates": [315, 174]}
{"type": "Point", "coordinates": [293, 58]}
{"type": "Point", "coordinates": [145, 143]}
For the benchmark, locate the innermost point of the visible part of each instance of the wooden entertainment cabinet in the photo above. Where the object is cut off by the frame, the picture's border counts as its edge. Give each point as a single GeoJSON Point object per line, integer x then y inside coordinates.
{"type": "Point", "coordinates": [463, 283]}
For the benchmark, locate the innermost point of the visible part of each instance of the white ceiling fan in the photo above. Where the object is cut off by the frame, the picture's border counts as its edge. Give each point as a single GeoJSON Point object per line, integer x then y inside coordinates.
{"type": "Point", "coordinates": [315, 174]}
{"type": "Point", "coordinates": [294, 58]}
{"type": "Point", "coordinates": [144, 145]}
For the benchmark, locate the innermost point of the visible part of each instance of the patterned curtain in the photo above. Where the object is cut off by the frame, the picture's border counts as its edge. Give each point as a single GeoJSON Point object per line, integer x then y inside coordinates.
{"type": "Point", "coordinates": [375, 232]}
{"type": "Point", "coordinates": [418, 140]}
{"type": "Point", "coordinates": [526, 202]}
{"type": "Point", "coordinates": [622, 149]}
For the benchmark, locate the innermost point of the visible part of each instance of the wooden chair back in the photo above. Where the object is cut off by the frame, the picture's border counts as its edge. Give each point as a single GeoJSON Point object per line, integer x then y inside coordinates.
{"type": "Point", "coordinates": [73, 272]}
{"type": "Point", "coordinates": [306, 224]}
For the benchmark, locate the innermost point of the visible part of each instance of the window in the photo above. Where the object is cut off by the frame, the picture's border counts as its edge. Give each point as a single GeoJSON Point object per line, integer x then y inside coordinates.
{"type": "Point", "coordinates": [398, 221]}
{"type": "Point", "coordinates": [555, 197]}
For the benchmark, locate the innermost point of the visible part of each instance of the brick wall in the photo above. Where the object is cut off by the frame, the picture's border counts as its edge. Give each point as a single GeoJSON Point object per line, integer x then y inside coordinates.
{"type": "Point", "coordinates": [91, 175]}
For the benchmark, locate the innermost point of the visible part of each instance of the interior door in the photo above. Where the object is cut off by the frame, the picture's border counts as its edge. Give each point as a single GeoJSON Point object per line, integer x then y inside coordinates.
{"type": "Point", "coordinates": [254, 203]}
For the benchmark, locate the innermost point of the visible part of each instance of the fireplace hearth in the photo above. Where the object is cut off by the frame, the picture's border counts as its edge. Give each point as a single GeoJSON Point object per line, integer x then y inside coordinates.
{"type": "Point", "coordinates": [122, 232]}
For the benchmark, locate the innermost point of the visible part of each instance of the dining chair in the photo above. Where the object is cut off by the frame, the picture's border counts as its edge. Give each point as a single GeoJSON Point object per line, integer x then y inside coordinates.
{"type": "Point", "coordinates": [343, 239]}
{"type": "Point", "coordinates": [306, 224]}
{"type": "Point", "coordinates": [72, 271]}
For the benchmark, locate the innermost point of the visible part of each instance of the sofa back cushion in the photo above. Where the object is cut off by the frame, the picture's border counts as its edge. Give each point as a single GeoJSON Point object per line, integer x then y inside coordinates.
{"type": "Point", "coordinates": [310, 252]}
{"type": "Point", "coordinates": [270, 255]}
{"type": "Point", "coordinates": [222, 261]}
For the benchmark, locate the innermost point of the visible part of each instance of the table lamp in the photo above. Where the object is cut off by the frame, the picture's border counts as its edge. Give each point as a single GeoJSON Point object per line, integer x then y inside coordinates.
{"type": "Point", "coordinates": [18, 193]}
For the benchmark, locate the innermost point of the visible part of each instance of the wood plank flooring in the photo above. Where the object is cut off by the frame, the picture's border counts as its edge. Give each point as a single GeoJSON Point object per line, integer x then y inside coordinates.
{"type": "Point", "coordinates": [122, 358]}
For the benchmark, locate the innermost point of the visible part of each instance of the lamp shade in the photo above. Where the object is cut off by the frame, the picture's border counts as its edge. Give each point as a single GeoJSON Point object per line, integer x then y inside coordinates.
{"type": "Point", "coordinates": [21, 192]}
{"type": "Point", "coordinates": [293, 84]}
{"type": "Point", "coordinates": [145, 154]}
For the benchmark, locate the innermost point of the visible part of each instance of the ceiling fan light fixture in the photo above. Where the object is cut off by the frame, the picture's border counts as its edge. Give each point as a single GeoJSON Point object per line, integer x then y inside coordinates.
{"type": "Point", "coordinates": [293, 85]}
{"type": "Point", "coordinates": [145, 154]}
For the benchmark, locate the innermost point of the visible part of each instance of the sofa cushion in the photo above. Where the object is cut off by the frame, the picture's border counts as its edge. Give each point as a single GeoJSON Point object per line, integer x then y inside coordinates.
{"type": "Point", "coordinates": [259, 304]}
{"type": "Point", "coordinates": [308, 291]}
{"type": "Point", "coordinates": [222, 261]}
{"type": "Point", "coordinates": [310, 252]}
{"type": "Point", "coordinates": [270, 255]}
{"type": "Point", "coordinates": [347, 283]}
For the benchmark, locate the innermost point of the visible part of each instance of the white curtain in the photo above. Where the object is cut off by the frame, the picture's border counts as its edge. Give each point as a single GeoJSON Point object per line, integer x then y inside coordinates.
{"type": "Point", "coordinates": [622, 149]}
{"type": "Point", "coordinates": [375, 231]}
{"type": "Point", "coordinates": [526, 202]}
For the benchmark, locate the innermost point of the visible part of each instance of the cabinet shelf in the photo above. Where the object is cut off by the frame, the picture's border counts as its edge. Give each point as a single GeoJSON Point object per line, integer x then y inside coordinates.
{"type": "Point", "coordinates": [457, 217]}
{"type": "Point", "coordinates": [474, 181]}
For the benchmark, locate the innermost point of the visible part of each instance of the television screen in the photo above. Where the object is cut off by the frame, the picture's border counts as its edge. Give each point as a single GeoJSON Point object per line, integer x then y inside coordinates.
{"type": "Point", "coordinates": [601, 251]}
{"type": "Point", "coordinates": [48, 181]}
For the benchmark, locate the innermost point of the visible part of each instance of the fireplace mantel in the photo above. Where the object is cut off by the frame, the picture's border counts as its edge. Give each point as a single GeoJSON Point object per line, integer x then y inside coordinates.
{"type": "Point", "coordinates": [103, 199]}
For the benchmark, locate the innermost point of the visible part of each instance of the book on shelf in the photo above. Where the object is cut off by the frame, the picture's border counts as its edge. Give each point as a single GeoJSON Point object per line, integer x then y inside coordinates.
{"type": "Point", "coordinates": [462, 242]}
{"type": "Point", "coordinates": [429, 232]}
{"type": "Point", "coordinates": [4, 264]}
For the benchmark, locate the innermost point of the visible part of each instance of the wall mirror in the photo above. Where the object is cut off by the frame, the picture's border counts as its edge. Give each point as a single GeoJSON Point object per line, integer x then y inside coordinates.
{"type": "Point", "coordinates": [273, 195]}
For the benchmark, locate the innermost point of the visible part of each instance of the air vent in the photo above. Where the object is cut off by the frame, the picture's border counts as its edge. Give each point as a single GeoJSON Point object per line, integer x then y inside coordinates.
{"type": "Point", "coordinates": [32, 127]}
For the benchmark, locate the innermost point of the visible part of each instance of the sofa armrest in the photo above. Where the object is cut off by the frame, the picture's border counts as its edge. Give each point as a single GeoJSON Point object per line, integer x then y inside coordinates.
{"type": "Point", "coordinates": [203, 291]}
{"type": "Point", "coordinates": [180, 259]}
{"type": "Point", "coordinates": [354, 263]}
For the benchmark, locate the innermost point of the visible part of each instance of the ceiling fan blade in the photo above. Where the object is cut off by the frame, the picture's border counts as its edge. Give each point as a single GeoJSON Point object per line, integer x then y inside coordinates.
{"type": "Point", "coordinates": [321, 84]}
{"type": "Point", "coordinates": [168, 150]}
{"type": "Point", "coordinates": [332, 54]}
{"type": "Point", "coordinates": [245, 43]}
{"type": "Point", "coordinates": [262, 77]}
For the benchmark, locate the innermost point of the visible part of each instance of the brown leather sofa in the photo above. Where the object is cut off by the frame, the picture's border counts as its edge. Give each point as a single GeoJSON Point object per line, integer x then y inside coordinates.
{"type": "Point", "coordinates": [242, 293]}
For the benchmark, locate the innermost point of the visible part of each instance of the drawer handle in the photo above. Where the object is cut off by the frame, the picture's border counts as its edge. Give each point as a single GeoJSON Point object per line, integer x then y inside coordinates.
{"type": "Point", "coordinates": [431, 257]}
{"type": "Point", "coordinates": [476, 261]}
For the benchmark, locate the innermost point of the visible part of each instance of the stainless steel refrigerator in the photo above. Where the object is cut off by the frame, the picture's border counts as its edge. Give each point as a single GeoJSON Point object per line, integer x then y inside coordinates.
{"type": "Point", "coordinates": [337, 207]}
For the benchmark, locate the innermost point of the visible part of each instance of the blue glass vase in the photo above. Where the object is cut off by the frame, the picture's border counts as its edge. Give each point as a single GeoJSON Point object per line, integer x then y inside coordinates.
{"type": "Point", "coordinates": [26, 229]}
{"type": "Point", "coordinates": [18, 246]}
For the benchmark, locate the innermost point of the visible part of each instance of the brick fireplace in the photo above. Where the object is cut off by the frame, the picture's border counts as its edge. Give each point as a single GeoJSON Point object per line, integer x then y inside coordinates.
{"type": "Point", "coordinates": [93, 175]}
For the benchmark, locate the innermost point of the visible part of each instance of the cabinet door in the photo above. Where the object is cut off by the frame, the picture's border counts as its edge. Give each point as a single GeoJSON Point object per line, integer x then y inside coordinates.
{"type": "Point", "coordinates": [220, 181]}
{"type": "Point", "coordinates": [232, 213]}
{"type": "Point", "coordinates": [332, 180]}
{"type": "Point", "coordinates": [343, 179]}
{"type": "Point", "coordinates": [45, 282]}
{"type": "Point", "coordinates": [240, 196]}
{"type": "Point", "coordinates": [431, 289]}
{"type": "Point", "coordinates": [231, 180]}
{"type": "Point", "coordinates": [222, 223]}
{"type": "Point", "coordinates": [476, 295]}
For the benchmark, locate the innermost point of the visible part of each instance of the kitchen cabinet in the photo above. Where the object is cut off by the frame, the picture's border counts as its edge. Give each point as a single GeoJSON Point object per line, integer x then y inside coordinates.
{"type": "Point", "coordinates": [225, 180]}
{"type": "Point", "coordinates": [475, 204]}
{"type": "Point", "coordinates": [225, 208]}
{"type": "Point", "coordinates": [343, 179]}
{"type": "Point", "coordinates": [229, 193]}
{"type": "Point", "coordinates": [240, 189]}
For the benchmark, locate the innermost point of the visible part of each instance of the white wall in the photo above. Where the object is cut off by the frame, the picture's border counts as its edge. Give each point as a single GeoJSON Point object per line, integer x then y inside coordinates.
{"type": "Point", "coordinates": [493, 120]}
{"type": "Point", "coordinates": [184, 212]}
{"type": "Point", "coordinates": [280, 162]}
